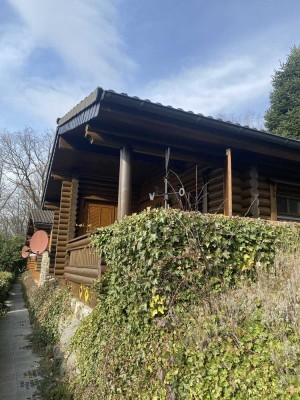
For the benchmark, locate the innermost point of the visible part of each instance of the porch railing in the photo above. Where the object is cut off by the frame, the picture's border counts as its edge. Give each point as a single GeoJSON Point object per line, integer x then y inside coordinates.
{"type": "Point", "coordinates": [84, 265]}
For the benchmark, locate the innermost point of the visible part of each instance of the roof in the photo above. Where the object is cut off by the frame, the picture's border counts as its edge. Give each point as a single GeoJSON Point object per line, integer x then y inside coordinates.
{"type": "Point", "coordinates": [89, 108]}
{"type": "Point", "coordinates": [43, 217]}
{"type": "Point", "coordinates": [142, 121]}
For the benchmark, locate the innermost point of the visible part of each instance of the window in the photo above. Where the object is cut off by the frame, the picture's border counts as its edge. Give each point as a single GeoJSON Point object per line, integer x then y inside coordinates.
{"type": "Point", "coordinates": [288, 206]}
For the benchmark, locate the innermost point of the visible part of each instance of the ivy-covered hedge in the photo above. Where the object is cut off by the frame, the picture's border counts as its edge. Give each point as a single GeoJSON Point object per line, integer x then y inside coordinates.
{"type": "Point", "coordinates": [47, 305]}
{"type": "Point", "coordinates": [163, 329]}
{"type": "Point", "coordinates": [156, 241]}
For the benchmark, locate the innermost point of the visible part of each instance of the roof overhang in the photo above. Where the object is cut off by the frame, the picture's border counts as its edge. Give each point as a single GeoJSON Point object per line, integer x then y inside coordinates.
{"type": "Point", "coordinates": [130, 119]}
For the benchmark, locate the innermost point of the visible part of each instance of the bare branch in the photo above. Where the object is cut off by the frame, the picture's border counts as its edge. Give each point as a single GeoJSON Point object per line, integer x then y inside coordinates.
{"type": "Point", "coordinates": [24, 158]}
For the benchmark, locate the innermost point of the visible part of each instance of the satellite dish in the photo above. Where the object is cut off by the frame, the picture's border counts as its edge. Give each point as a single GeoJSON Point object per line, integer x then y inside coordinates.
{"type": "Point", "coordinates": [39, 242]}
{"type": "Point", "coordinates": [25, 251]}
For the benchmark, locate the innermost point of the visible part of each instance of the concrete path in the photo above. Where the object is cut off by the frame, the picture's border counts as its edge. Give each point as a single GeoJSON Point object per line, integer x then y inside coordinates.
{"type": "Point", "coordinates": [18, 365]}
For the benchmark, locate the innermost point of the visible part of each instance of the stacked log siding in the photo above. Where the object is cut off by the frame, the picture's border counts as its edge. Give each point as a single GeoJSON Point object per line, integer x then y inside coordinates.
{"type": "Point", "coordinates": [250, 193]}
{"type": "Point", "coordinates": [67, 222]}
{"type": "Point", "coordinates": [216, 191]}
{"type": "Point", "coordinates": [54, 240]}
{"type": "Point", "coordinates": [264, 199]}
{"type": "Point", "coordinates": [237, 208]}
{"type": "Point", "coordinates": [191, 179]}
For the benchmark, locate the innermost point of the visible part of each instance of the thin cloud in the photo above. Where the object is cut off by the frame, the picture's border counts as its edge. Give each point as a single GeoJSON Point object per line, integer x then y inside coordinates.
{"type": "Point", "coordinates": [89, 49]}
{"type": "Point", "coordinates": [213, 89]}
{"type": "Point", "coordinates": [84, 33]}
{"type": "Point", "coordinates": [77, 45]}
{"type": "Point", "coordinates": [47, 101]}
{"type": "Point", "coordinates": [15, 49]}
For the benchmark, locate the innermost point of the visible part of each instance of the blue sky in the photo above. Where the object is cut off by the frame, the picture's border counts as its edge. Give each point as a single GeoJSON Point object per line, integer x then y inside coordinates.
{"type": "Point", "coordinates": [215, 57]}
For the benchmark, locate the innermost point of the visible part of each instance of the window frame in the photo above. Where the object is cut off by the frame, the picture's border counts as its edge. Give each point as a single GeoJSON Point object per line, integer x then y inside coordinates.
{"type": "Point", "coordinates": [288, 216]}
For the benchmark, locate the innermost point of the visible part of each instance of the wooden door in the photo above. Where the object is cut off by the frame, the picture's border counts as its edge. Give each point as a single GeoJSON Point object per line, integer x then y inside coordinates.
{"type": "Point", "coordinates": [99, 215]}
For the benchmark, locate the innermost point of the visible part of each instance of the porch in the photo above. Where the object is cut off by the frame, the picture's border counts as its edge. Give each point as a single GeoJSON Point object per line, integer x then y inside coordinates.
{"type": "Point", "coordinates": [109, 161]}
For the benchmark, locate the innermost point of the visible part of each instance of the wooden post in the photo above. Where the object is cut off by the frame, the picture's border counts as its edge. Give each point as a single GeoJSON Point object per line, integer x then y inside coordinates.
{"type": "Point", "coordinates": [228, 185]}
{"type": "Point", "coordinates": [124, 199]}
{"type": "Point", "coordinates": [205, 193]}
{"type": "Point", "coordinates": [273, 198]}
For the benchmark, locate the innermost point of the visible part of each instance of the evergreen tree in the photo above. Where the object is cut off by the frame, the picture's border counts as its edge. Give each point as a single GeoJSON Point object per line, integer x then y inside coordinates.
{"type": "Point", "coordinates": [283, 116]}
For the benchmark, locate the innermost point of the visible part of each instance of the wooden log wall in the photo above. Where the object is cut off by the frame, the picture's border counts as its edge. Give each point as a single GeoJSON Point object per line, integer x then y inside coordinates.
{"type": "Point", "coordinates": [193, 184]}
{"type": "Point", "coordinates": [264, 197]}
{"type": "Point", "coordinates": [54, 234]}
{"type": "Point", "coordinates": [273, 201]}
{"type": "Point", "coordinates": [250, 194]}
{"type": "Point", "coordinates": [32, 267]}
{"type": "Point", "coordinates": [237, 208]}
{"type": "Point", "coordinates": [191, 180]}
{"type": "Point", "coordinates": [31, 264]}
{"type": "Point", "coordinates": [216, 192]}
{"type": "Point", "coordinates": [256, 194]}
{"type": "Point", "coordinates": [215, 189]}
{"type": "Point", "coordinates": [155, 179]}
{"type": "Point", "coordinates": [84, 268]}
{"type": "Point", "coordinates": [99, 189]}
{"type": "Point", "coordinates": [84, 262]}
{"type": "Point", "coordinates": [67, 220]}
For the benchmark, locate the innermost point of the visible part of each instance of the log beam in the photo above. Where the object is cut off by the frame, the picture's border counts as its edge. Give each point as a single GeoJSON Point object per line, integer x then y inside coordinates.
{"type": "Point", "coordinates": [106, 138]}
{"type": "Point", "coordinates": [102, 139]}
{"type": "Point", "coordinates": [64, 144]}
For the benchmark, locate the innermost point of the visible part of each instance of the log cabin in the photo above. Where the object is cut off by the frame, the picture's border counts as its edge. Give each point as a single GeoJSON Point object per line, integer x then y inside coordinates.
{"type": "Point", "coordinates": [110, 154]}
{"type": "Point", "coordinates": [38, 220]}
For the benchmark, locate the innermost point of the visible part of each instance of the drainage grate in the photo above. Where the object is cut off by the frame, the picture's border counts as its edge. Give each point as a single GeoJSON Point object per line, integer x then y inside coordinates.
{"type": "Point", "coordinates": [32, 397]}
{"type": "Point", "coordinates": [29, 384]}
{"type": "Point", "coordinates": [27, 347]}
{"type": "Point", "coordinates": [31, 374]}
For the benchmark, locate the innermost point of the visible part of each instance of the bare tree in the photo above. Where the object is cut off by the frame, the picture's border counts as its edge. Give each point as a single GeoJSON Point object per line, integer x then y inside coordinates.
{"type": "Point", "coordinates": [24, 158]}
{"type": "Point", "coordinates": [249, 118]}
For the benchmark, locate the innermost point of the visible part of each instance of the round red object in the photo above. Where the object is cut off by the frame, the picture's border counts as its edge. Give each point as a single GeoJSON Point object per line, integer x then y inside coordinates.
{"type": "Point", "coordinates": [39, 242]}
{"type": "Point", "coordinates": [25, 251]}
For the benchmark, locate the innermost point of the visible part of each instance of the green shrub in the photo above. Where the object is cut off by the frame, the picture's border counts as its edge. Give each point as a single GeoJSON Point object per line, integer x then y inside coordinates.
{"type": "Point", "coordinates": [49, 309]}
{"type": "Point", "coordinates": [10, 253]}
{"type": "Point", "coordinates": [6, 278]}
{"type": "Point", "coordinates": [162, 329]}
{"type": "Point", "coordinates": [48, 304]}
